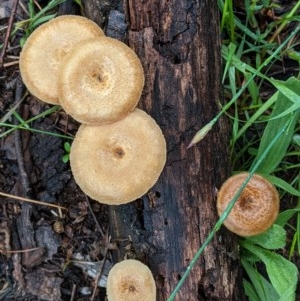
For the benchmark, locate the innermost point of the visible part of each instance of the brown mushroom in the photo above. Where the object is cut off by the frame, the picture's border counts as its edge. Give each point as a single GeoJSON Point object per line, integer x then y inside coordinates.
{"type": "Point", "coordinates": [255, 210]}
{"type": "Point", "coordinates": [119, 162]}
{"type": "Point", "coordinates": [45, 48]}
{"type": "Point", "coordinates": [101, 81]}
{"type": "Point", "coordinates": [130, 280]}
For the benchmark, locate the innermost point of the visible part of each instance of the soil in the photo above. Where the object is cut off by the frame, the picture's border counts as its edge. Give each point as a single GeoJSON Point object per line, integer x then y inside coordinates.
{"type": "Point", "coordinates": [63, 251]}
{"type": "Point", "coordinates": [32, 166]}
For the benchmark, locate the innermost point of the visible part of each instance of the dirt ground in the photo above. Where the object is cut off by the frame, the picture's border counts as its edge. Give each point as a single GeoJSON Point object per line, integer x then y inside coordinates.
{"type": "Point", "coordinates": [63, 250]}
{"type": "Point", "coordinates": [32, 166]}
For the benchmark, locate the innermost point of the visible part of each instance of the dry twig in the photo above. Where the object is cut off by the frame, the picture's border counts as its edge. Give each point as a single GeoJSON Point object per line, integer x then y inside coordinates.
{"type": "Point", "coordinates": [94, 217]}
{"type": "Point", "coordinates": [8, 31]}
{"type": "Point", "coordinates": [30, 200]}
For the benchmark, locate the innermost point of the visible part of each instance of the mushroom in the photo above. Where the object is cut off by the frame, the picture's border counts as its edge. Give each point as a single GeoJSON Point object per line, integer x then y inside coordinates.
{"type": "Point", "coordinates": [117, 163]}
{"type": "Point", "coordinates": [101, 81]}
{"type": "Point", "coordinates": [130, 280]}
{"type": "Point", "coordinates": [255, 210]}
{"type": "Point", "coordinates": [45, 48]}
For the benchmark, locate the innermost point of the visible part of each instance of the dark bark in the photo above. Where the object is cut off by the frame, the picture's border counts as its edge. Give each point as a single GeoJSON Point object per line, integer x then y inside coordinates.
{"type": "Point", "coordinates": [178, 43]}
{"type": "Point", "coordinates": [98, 10]}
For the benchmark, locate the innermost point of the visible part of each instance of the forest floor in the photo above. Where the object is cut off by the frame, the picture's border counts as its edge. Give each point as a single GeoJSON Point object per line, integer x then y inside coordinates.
{"type": "Point", "coordinates": [62, 250]}
{"type": "Point", "coordinates": [65, 248]}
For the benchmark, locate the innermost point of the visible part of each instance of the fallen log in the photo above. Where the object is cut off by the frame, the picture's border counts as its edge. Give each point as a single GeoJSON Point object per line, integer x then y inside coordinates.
{"type": "Point", "coordinates": [178, 43]}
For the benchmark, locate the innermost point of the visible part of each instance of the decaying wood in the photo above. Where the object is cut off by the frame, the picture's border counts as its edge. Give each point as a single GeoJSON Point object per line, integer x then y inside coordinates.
{"type": "Point", "coordinates": [178, 43]}
{"type": "Point", "coordinates": [98, 10]}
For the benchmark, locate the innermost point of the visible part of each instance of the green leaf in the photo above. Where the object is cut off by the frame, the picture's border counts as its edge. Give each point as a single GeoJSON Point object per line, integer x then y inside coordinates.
{"type": "Point", "coordinates": [285, 216]}
{"type": "Point", "coordinates": [263, 289]}
{"type": "Point", "coordinates": [288, 91]}
{"type": "Point", "coordinates": [295, 55]}
{"type": "Point", "coordinates": [292, 109]}
{"type": "Point", "coordinates": [282, 273]}
{"type": "Point", "coordinates": [274, 238]}
{"type": "Point", "coordinates": [67, 147]}
{"type": "Point", "coordinates": [296, 139]}
{"type": "Point", "coordinates": [288, 295]}
{"type": "Point", "coordinates": [229, 50]}
{"type": "Point", "coordinates": [66, 158]}
{"type": "Point", "coordinates": [279, 149]}
{"type": "Point", "coordinates": [252, 88]}
{"type": "Point", "coordinates": [22, 41]}
{"type": "Point", "coordinates": [42, 20]}
{"type": "Point", "coordinates": [255, 117]}
{"type": "Point", "coordinates": [31, 8]}
{"type": "Point", "coordinates": [78, 2]}
{"type": "Point", "coordinates": [282, 184]}
{"type": "Point", "coordinates": [295, 243]}
{"type": "Point", "coordinates": [250, 291]}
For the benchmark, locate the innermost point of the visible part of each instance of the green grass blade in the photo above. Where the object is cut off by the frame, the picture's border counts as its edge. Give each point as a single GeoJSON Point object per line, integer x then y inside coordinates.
{"type": "Point", "coordinates": [295, 242]}
{"type": "Point", "coordinates": [283, 185]}
{"type": "Point", "coordinates": [230, 50]}
{"type": "Point", "coordinates": [263, 108]}
{"type": "Point", "coordinates": [227, 20]}
{"type": "Point", "coordinates": [285, 216]}
{"type": "Point", "coordinates": [286, 90]}
{"type": "Point", "coordinates": [256, 73]}
{"type": "Point", "coordinates": [43, 19]}
{"type": "Point", "coordinates": [20, 119]}
{"type": "Point", "coordinates": [22, 125]}
{"type": "Point", "coordinates": [279, 149]}
{"type": "Point", "coordinates": [31, 9]}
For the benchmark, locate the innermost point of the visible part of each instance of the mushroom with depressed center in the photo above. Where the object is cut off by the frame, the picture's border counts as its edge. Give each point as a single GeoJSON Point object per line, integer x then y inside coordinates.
{"type": "Point", "coordinates": [255, 210]}
{"type": "Point", "coordinates": [130, 280]}
{"type": "Point", "coordinates": [45, 48]}
{"type": "Point", "coordinates": [119, 162]}
{"type": "Point", "coordinates": [100, 81]}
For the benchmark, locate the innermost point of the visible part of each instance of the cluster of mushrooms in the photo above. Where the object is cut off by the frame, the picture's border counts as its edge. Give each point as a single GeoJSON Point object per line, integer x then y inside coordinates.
{"type": "Point", "coordinates": [119, 151]}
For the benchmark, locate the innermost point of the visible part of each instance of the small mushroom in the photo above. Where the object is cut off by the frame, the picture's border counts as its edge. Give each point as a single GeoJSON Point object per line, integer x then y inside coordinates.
{"type": "Point", "coordinates": [119, 162]}
{"type": "Point", "coordinates": [130, 280]}
{"type": "Point", "coordinates": [101, 81]}
{"type": "Point", "coordinates": [255, 210]}
{"type": "Point", "coordinates": [45, 48]}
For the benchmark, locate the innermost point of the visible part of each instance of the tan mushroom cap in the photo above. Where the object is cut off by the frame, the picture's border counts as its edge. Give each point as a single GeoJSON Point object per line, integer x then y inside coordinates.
{"type": "Point", "coordinates": [119, 162]}
{"type": "Point", "coordinates": [256, 209]}
{"type": "Point", "coordinates": [101, 81]}
{"type": "Point", "coordinates": [130, 280]}
{"type": "Point", "coordinates": [45, 48]}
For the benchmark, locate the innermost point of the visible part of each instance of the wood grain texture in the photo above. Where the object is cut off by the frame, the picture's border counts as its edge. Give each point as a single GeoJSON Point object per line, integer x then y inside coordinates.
{"type": "Point", "coordinates": [178, 43]}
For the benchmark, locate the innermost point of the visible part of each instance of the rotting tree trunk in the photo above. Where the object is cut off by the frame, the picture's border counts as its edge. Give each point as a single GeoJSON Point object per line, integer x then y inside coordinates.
{"type": "Point", "coordinates": [178, 43]}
